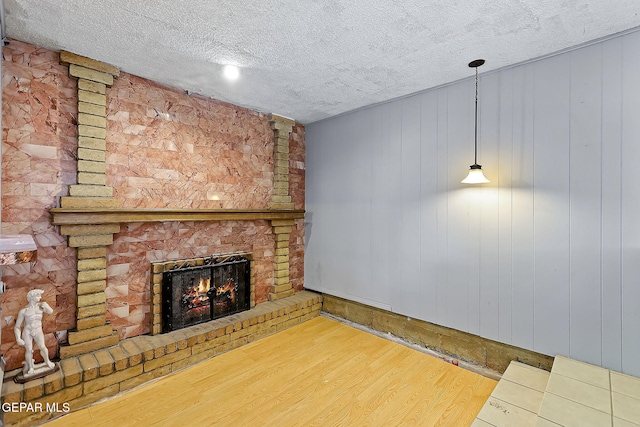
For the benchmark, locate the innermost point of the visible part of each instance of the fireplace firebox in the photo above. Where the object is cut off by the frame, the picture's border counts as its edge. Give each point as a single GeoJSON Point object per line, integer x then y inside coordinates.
{"type": "Point", "coordinates": [192, 295]}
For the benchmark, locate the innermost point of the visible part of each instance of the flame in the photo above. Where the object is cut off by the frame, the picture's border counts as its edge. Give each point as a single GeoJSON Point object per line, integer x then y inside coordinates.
{"type": "Point", "coordinates": [197, 295]}
{"type": "Point", "coordinates": [203, 286]}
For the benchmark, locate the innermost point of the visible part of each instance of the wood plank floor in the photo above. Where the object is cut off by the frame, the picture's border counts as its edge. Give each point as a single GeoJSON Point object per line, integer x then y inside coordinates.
{"type": "Point", "coordinates": [320, 373]}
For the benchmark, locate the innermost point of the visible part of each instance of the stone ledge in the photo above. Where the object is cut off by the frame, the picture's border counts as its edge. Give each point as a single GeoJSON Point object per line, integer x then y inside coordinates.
{"type": "Point", "coordinates": [280, 295]}
{"type": "Point", "coordinates": [72, 212]}
{"type": "Point", "coordinates": [283, 119]}
{"type": "Point", "coordinates": [85, 379]}
{"type": "Point", "coordinates": [83, 61]}
{"type": "Point", "coordinates": [92, 345]}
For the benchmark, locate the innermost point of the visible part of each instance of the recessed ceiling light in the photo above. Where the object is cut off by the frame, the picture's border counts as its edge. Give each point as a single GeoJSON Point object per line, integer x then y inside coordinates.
{"type": "Point", "coordinates": [231, 72]}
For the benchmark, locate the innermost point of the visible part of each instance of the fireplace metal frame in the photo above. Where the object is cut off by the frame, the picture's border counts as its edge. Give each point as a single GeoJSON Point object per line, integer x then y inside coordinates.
{"type": "Point", "coordinates": [209, 263]}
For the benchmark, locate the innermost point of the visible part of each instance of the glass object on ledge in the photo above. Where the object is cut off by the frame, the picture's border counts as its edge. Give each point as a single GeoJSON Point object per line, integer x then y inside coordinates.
{"type": "Point", "coordinates": [17, 249]}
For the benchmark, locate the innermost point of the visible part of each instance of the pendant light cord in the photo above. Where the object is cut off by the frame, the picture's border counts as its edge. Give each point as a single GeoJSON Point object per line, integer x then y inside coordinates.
{"type": "Point", "coordinates": [475, 147]}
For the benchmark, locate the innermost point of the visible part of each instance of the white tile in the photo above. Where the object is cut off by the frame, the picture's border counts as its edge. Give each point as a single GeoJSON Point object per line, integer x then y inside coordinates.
{"type": "Point", "coordinates": [625, 384]}
{"type": "Point", "coordinates": [619, 422]}
{"type": "Point", "coordinates": [625, 407]}
{"type": "Point", "coordinates": [503, 414]}
{"type": "Point", "coordinates": [578, 391]}
{"type": "Point", "coordinates": [526, 375]}
{"type": "Point", "coordinates": [545, 423]}
{"type": "Point", "coordinates": [581, 371]}
{"type": "Point", "coordinates": [519, 395]}
{"type": "Point", "coordinates": [479, 423]}
{"type": "Point", "coordinates": [571, 414]}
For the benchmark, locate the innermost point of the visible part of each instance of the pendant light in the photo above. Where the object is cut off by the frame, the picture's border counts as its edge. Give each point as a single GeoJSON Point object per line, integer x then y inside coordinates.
{"type": "Point", "coordinates": [475, 170]}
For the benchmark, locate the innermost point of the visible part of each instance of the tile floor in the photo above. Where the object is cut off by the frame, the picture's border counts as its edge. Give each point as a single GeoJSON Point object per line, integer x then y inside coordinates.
{"type": "Point", "coordinates": [574, 393]}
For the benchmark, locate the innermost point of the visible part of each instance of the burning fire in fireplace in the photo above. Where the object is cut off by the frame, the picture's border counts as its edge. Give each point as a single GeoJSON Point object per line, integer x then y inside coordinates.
{"type": "Point", "coordinates": [192, 295]}
{"type": "Point", "coordinates": [198, 295]}
{"type": "Point", "coordinates": [227, 290]}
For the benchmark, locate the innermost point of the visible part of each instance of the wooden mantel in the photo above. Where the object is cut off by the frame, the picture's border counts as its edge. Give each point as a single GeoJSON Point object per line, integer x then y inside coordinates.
{"type": "Point", "coordinates": [82, 216]}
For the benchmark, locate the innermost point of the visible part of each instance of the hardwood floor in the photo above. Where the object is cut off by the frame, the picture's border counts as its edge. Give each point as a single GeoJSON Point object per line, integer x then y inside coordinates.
{"type": "Point", "coordinates": [320, 373]}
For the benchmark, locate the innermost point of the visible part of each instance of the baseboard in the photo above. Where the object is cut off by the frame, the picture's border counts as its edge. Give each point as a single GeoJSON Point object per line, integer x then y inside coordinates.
{"type": "Point", "coordinates": [460, 345]}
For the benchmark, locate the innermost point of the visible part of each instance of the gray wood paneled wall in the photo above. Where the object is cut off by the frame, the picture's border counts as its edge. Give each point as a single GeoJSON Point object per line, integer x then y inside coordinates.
{"type": "Point", "coordinates": [545, 257]}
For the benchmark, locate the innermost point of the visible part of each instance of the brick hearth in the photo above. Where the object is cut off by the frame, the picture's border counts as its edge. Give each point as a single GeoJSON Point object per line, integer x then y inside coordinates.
{"type": "Point", "coordinates": [90, 377]}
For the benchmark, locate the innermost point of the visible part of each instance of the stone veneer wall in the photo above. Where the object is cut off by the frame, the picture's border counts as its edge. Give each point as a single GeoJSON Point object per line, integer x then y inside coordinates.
{"type": "Point", "coordinates": [170, 150]}
{"type": "Point", "coordinates": [158, 141]}
{"type": "Point", "coordinates": [139, 244]}
{"type": "Point", "coordinates": [38, 166]}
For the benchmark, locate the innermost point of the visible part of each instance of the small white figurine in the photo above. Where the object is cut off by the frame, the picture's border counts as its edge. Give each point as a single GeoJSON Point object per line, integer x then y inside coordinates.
{"type": "Point", "coordinates": [31, 316]}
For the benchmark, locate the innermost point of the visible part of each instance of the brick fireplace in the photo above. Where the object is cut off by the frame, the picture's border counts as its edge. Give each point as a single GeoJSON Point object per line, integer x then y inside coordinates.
{"type": "Point", "coordinates": [105, 170]}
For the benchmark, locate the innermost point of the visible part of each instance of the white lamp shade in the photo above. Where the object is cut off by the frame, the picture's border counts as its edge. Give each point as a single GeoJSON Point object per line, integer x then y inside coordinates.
{"type": "Point", "coordinates": [475, 176]}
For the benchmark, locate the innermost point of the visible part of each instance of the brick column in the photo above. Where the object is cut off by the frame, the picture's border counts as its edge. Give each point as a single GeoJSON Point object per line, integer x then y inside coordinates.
{"type": "Point", "coordinates": [281, 287]}
{"type": "Point", "coordinates": [93, 331]}
{"type": "Point", "coordinates": [281, 127]}
{"type": "Point", "coordinates": [281, 199]}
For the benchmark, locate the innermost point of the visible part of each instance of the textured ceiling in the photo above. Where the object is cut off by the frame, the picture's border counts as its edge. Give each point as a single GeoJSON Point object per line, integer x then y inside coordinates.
{"type": "Point", "coordinates": [312, 59]}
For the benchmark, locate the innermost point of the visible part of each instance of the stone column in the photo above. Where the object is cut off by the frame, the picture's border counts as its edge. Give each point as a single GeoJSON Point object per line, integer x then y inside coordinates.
{"type": "Point", "coordinates": [281, 199]}
{"type": "Point", "coordinates": [93, 331]}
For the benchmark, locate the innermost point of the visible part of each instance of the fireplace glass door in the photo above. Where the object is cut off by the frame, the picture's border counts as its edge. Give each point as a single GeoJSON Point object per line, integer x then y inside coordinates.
{"type": "Point", "coordinates": [194, 295]}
